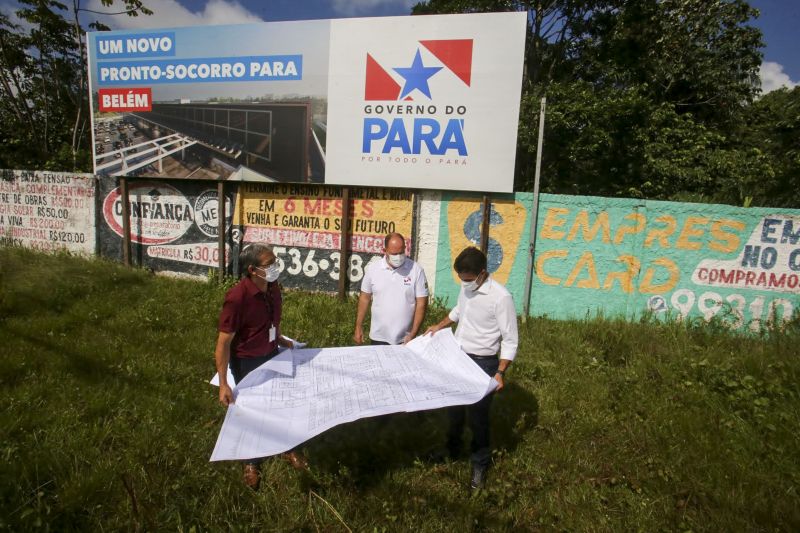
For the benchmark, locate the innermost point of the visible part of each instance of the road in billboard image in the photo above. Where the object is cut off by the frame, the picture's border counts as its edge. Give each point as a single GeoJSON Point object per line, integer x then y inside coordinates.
{"type": "Point", "coordinates": [414, 102]}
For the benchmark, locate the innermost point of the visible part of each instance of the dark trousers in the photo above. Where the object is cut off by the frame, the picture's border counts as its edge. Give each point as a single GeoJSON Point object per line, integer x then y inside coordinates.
{"type": "Point", "coordinates": [478, 420]}
{"type": "Point", "coordinates": [373, 342]}
{"type": "Point", "coordinates": [240, 367]}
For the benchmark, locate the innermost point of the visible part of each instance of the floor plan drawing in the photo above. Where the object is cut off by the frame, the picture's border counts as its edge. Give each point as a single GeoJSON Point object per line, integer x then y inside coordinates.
{"type": "Point", "coordinates": [301, 393]}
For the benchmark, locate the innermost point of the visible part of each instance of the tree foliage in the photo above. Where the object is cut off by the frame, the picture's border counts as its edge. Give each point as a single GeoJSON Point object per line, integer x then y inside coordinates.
{"type": "Point", "coordinates": [772, 129]}
{"type": "Point", "coordinates": [44, 108]}
{"type": "Point", "coordinates": [645, 98]}
{"type": "Point", "coordinates": [650, 98]}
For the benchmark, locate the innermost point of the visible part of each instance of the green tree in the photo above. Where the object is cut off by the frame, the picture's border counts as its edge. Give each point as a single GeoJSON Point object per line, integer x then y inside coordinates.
{"type": "Point", "coordinates": [700, 56]}
{"type": "Point", "coordinates": [555, 28]}
{"type": "Point", "coordinates": [645, 98]}
{"type": "Point", "coordinates": [44, 116]}
{"type": "Point", "coordinates": [772, 129]}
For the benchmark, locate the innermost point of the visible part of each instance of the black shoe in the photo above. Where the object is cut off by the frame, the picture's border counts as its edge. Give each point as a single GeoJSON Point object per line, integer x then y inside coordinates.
{"type": "Point", "coordinates": [478, 477]}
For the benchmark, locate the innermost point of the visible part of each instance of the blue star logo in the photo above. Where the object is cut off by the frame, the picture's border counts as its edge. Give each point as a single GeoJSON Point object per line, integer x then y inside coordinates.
{"type": "Point", "coordinates": [416, 76]}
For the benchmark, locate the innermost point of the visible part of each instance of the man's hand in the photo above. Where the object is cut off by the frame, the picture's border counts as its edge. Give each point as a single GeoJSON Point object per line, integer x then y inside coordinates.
{"type": "Point", "coordinates": [433, 329]}
{"type": "Point", "coordinates": [408, 338]}
{"type": "Point", "coordinates": [444, 323]}
{"type": "Point", "coordinates": [358, 336]}
{"type": "Point", "coordinates": [501, 382]}
{"type": "Point", "coordinates": [225, 395]}
{"type": "Point", "coordinates": [286, 342]}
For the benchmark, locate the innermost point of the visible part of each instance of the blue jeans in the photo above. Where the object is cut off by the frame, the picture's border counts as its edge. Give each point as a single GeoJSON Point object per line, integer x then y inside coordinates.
{"type": "Point", "coordinates": [478, 420]}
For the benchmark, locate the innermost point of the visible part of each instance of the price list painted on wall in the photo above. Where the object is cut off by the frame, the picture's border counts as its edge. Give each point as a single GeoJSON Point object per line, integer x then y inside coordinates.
{"type": "Point", "coordinates": [47, 210]}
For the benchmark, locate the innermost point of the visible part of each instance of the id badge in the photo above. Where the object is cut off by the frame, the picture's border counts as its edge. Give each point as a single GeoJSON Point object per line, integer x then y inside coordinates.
{"type": "Point", "coordinates": [272, 333]}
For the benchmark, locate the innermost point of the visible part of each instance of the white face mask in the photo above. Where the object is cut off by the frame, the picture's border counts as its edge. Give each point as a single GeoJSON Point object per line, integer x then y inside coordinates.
{"type": "Point", "coordinates": [271, 273]}
{"type": "Point", "coordinates": [396, 260]}
{"type": "Point", "coordinates": [470, 286]}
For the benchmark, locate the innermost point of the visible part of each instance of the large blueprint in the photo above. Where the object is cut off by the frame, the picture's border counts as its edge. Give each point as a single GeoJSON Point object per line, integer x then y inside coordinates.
{"type": "Point", "coordinates": [301, 393]}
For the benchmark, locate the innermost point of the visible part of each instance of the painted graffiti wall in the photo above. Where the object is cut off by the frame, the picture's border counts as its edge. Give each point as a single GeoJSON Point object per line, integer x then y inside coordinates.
{"type": "Point", "coordinates": [461, 218]}
{"type": "Point", "coordinates": [615, 257]}
{"type": "Point", "coordinates": [48, 211]}
{"type": "Point", "coordinates": [174, 225]}
{"type": "Point", "coordinates": [620, 257]}
{"type": "Point", "coordinates": [303, 223]}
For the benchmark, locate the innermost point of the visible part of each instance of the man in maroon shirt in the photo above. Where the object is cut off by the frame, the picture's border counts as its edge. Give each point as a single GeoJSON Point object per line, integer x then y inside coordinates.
{"type": "Point", "coordinates": [249, 332]}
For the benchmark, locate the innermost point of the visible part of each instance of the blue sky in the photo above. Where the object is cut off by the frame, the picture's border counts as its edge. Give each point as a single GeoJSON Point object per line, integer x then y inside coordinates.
{"type": "Point", "coordinates": [779, 21]}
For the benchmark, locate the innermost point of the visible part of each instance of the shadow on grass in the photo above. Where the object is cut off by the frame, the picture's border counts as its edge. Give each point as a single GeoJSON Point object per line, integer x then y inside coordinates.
{"type": "Point", "coordinates": [515, 412]}
{"type": "Point", "coordinates": [364, 452]}
{"type": "Point", "coordinates": [87, 368]}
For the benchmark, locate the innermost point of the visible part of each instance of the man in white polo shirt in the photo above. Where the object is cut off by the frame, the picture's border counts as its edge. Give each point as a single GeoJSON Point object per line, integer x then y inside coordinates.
{"type": "Point", "coordinates": [487, 324]}
{"type": "Point", "coordinates": [397, 287]}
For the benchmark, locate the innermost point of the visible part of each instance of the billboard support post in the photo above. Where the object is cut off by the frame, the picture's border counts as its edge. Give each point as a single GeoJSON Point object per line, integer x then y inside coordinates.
{"type": "Point", "coordinates": [343, 259]}
{"type": "Point", "coordinates": [534, 212]}
{"type": "Point", "coordinates": [486, 211]}
{"type": "Point", "coordinates": [221, 229]}
{"type": "Point", "coordinates": [126, 222]}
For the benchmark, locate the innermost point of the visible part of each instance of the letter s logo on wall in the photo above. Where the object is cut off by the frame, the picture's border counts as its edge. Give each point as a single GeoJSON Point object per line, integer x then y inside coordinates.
{"type": "Point", "coordinates": [507, 221]}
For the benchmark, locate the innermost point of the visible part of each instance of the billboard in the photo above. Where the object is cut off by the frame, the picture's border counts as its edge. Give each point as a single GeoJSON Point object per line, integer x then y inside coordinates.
{"type": "Point", "coordinates": [412, 102]}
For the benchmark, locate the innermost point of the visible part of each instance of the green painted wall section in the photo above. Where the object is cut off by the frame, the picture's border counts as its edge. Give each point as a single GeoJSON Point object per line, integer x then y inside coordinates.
{"type": "Point", "coordinates": [623, 257]}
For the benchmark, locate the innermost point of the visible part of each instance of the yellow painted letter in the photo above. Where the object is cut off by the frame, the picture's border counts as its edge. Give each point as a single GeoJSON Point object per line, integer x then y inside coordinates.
{"type": "Point", "coordinates": [730, 240]}
{"type": "Point", "coordinates": [582, 222]}
{"type": "Point", "coordinates": [548, 280]}
{"type": "Point", "coordinates": [640, 221]}
{"type": "Point", "coordinates": [551, 221]}
{"type": "Point", "coordinates": [690, 231]}
{"type": "Point", "coordinates": [586, 260]}
{"type": "Point", "coordinates": [661, 233]}
{"type": "Point", "coordinates": [626, 278]}
{"type": "Point", "coordinates": [647, 286]}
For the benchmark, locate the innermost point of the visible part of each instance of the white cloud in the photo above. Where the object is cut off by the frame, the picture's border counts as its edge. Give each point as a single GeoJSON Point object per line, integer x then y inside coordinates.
{"type": "Point", "coordinates": [351, 8]}
{"type": "Point", "coordinates": [169, 13]}
{"type": "Point", "coordinates": [773, 77]}
{"type": "Point", "coordinates": [10, 10]}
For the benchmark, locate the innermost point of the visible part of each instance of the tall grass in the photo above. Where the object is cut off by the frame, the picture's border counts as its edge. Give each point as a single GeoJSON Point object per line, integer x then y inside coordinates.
{"type": "Point", "coordinates": [107, 422]}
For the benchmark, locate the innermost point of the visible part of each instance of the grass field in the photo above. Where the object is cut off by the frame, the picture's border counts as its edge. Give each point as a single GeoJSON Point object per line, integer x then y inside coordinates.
{"type": "Point", "coordinates": [108, 423]}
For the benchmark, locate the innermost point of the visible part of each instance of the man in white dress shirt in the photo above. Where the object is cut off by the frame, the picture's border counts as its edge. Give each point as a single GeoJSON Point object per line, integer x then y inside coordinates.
{"type": "Point", "coordinates": [397, 287]}
{"type": "Point", "coordinates": [487, 324]}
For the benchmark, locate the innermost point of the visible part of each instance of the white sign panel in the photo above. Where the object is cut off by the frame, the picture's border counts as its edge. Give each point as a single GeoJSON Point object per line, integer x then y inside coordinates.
{"type": "Point", "coordinates": [425, 102]}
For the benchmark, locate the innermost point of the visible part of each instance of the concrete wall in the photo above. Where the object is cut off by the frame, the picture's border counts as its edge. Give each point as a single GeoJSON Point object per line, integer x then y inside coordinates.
{"type": "Point", "coordinates": [623, 257]}
{"type": "Point", "coordinates": [616, 257]}
{"type": "Point", "coordinates": [174, 224]}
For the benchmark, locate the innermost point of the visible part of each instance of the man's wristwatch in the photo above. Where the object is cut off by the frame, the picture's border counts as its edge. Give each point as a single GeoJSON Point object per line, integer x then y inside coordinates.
{"type": "Point", "coordinates": [501, 372]}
